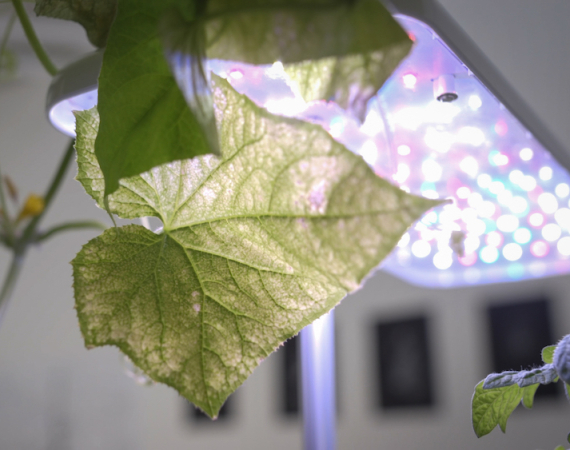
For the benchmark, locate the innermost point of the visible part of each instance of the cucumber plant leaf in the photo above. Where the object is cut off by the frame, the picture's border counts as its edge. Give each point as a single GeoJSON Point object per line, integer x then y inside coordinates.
{"type": "Point", "coordinates": [255, 245]}
{"type": "Point", "coordinates": [145, 121]}
{"type": "Point", "coordinates": [95, 16]}
{"type": "Point", "coordinates": [337, 50]}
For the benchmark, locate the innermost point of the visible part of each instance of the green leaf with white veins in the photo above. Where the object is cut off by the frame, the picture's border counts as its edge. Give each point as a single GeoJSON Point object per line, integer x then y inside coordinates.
{"type": "Point", "coordinates": [256, 245]}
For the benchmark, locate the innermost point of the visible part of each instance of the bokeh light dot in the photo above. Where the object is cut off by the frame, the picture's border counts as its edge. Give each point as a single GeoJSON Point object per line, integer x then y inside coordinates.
{"type": "Point", "coordinates": [563, 246]}
{"type": "Point", "coordinates": [443, 260]}
{"type": "Point", "coordinates": [477, 227]}
{"type": "Point", "coordinates": [404, 150]}
{"type": "Point", "coordinates": [512, 252]}
{"type": "Point", "coordinates": [496, 187]}
{"type": "Point", "coordinates": [528, 183]}
{"type": "Point", "coordinates": [516, 176]}
{"type": "Point", "coordinates": [421, 249]}
{"type": "Point", "coordinates": [518, 205]}
{"type": "Point", "coordinates": [551, 232]}
{"type": "Point", "coordinates": [474, 102]}
{"type": "Point", "coordinates": [562, 190]}
{"type": "Point", "coordinates": [522, 235]}
{"type": "Point", "coordinates": [504, 198]}
{"type": "Point", "coordinates": [494, 239]}
{"type": "Point", "coordinates": [545, 173]}
{"type": "Point", "coordinates": [507, 223]}
{"type": "Point", "coordinates": [484, 180]}
{"type": "Point", "coordinates": [536, 220]}
{"type": "Point", "coordinates": [410, 80]}
{"type": "Point", "coordinates": [562, 217]}
{"type": "Point", "coordinates": [489, 254]}
{"type": "Point", "coordinates": [468, 259]}
{"type": "Point", "coordinates": [539, 249]}
{"type": "Point", "coordinates": [526, 154]}
{"type": "Point", "coordinates": [463, 192]}
{"type": "Point", "coordinates": [548, 202]}
{"type": "Point", "coordinates": [471, 244]}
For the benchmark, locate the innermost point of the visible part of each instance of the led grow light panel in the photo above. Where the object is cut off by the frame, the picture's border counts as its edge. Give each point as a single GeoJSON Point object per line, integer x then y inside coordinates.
{"type": "Point", "coordinates": [510, 215]}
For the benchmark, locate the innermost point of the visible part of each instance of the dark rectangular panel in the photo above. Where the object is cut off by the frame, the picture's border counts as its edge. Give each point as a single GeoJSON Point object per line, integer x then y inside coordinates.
{"type": "Point", "coordinates": [519, 332]}
{"type": "Point", "coordinates": [404, 363]}
{"type": "Point", "coordinates": [291, 377]}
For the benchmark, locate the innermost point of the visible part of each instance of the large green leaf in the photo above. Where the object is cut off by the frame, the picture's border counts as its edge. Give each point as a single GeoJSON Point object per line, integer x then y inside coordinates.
{"type": "Point", "coordinates": [336, 49]}
{"type": "Point", "coordinates": [145, 121]}
{"type": "Point", "coordinates": [96, 16]}
{"type": "Point", "coordinates": [256, 245]}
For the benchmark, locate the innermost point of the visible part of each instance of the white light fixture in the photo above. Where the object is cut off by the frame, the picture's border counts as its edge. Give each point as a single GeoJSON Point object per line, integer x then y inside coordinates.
{"type": "Point", "coordinates": [455, 129]}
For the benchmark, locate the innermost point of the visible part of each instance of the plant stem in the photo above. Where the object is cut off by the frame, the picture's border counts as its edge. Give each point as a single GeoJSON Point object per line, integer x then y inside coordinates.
{"type": "Point", "coordinates": [10, 282]}
{"type": "Point", "coordinates": [30, 230]}
{"type": "Point", "coordinates": [69, 226]}
{"type": "Point", "coordinates": [33, 38]}
{"type": "Point", "coordinates": [6, 35]}
{"type": "Point", "coordinates": [21, 245]}
{"type": "Point", "coordinates": [6, 221]}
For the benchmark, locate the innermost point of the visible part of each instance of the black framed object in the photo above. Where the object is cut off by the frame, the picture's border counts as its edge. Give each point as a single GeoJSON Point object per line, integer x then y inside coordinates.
{"type": "Point", "coordinates": [519, 332]}
{"type": "Point", "coordinates": [290, 391]}
{"type": "Point", "coordinates": [403, 363]}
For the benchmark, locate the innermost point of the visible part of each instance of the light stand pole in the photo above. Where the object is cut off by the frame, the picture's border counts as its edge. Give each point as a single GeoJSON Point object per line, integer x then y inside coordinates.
{"type": "Point", "coordinates": [318, 384]}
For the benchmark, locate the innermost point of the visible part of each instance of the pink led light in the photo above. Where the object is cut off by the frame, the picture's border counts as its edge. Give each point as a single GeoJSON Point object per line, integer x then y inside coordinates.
{"type": "Point", "coordinates": [539, 249]}
{"type": "Point", "coordinates": [501, 127]}
{"type": "Point", "coordinates": [236, 74]}
{"type": "Point", "coordinates": [468, 260]}
{"type": "Point", "coordinates": [410, 80]}
{"type": "Point", "coordinates": [536, 220]}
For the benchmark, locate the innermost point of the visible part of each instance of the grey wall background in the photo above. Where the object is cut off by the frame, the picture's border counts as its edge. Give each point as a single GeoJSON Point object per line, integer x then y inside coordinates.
{"type": "Point", "coordinates": [56, 395]}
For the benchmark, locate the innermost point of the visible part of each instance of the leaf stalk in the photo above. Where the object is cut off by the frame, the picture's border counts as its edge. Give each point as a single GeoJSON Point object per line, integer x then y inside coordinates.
{"type": "Point", "coordinates": [33, 38]}
{"type": "Point", "coordinates": [69, 226]}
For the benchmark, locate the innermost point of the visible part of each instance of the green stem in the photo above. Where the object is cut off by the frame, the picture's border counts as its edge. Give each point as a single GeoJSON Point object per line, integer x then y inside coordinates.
{"type": "Point", "coordinates": [6, 221]}
{"type": "Point", "coordinates": [69, 226]}
{"type": "Point", "coordinates": [21, 245]}
{"type": "Point", "coordinates": [10, 282]}
{"type": "Point", "coordinates": [6, 35]}
{"type": "Point", "coordinates": [30, 230]}
{"type": "Point", "coordinates": [33, 38]}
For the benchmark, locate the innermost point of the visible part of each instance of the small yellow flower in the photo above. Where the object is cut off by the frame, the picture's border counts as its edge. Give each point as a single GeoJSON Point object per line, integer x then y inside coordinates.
{"type": "Point", "coordinates": [33, 206]}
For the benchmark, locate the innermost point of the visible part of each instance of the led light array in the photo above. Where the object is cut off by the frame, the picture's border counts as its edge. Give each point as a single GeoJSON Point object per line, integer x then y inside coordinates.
{"type": "Point", "coordinates": [510, 213]}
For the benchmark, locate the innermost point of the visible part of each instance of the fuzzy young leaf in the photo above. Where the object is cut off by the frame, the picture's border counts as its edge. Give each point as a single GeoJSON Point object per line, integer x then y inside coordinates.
{"type": "Point", "coordinates": [145, 121]}
{"type": "Point", "coordinates": [492, 407]}
{"type": "Point", "coordinates": [96, 16]}
{"type": "Point", "coordinates": [548, 354]}
{"type": "Point", "coordinates": [256, 245]}
{"type": "Point", "coordinates": [333, 49]}
{"type": "Point", "coordinates": [561, 359]}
